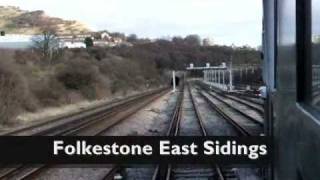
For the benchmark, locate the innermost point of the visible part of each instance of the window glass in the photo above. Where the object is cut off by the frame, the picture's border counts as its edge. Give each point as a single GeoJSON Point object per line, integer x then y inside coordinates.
{"type": "Point", "coordinates": [315, 52]}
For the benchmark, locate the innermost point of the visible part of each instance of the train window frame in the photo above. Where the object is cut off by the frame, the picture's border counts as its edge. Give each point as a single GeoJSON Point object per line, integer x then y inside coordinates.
{"type": "Point", "coordinates": [304, 58]}
{"type": "Point", "coordinates": [275, 43]}
{"type": "Point", "coordinates": [303, 49]}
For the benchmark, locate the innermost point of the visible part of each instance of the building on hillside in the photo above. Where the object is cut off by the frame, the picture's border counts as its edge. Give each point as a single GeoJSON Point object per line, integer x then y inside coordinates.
{"type": "Point", "coordinates": [74, 37]}
{"type": "Point", "coordinates": [106, 40]}
{"type": "Point", "coordinates": [117, 40]}
{"type": "Point", "coordinates": [16, 41]}
{"type": "Point", "coordinates": [20, 41]}
{"type": "Point", "coordinates": [103, 43]}
{"type": "Point", "coordinates": [72, 41]}
{"type": "Point", "coordinates": [105, 36]}
{"type": "Point", "coordinates": [71, 44]}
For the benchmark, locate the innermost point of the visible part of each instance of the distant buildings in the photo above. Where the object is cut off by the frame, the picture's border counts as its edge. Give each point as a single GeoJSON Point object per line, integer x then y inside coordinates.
{"type": "Point", "coordinates": [104, 39]}
{"type": "Point", "coordinates": [70, 41]}
{"type": "Point", "coordinates": [105, 36]}
{"type": "Point", "coordinates": [72, 45]}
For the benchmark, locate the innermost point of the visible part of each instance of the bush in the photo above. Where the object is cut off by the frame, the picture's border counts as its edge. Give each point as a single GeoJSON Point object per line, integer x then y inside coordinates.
{"type": "Point", "coordinates": [13, 91]}
{"type": "Point", "coordinates": [80, 75]}
{"type": "Point", "coordinates": [125, 74]}
{"type": "Point", "coordinates": [27, 83]}
{"type": "Point", "coordinates": [24, 57]}
{"type": "Point", "coordinates": [49, 92]}
{"type": "Point", "coordinates": [88, 41]}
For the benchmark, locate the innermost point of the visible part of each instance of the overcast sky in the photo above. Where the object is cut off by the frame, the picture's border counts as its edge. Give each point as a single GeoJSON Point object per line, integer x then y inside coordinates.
{"type": "Point", "coordinates": [225, 21]}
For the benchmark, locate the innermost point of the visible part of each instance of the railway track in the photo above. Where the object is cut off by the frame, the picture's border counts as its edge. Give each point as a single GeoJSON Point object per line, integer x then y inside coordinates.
{"type": "Point", "coordinates": [109, 116]}
{"type": "Point", "coordinates": [241, 129]}
{"type": "Point", "coordinates": [243, 124]}
{"type": "Point", "coordinates": [245, 121]}
{"type": "Point", "coordinates": [187, 113]}
{"type": "Point", "coordinates": [56, 125]}
{"type": "Point", "coordinates": [186, 105]}
{"type": "Point", "coordinates": [186, 120]}
{"type": "Point", "coordinates": [254, 105]}
{"type": "Point", "coordinates": [248, 99]}
{"type": "Point", "coordinates": [116, 171]}
{"type": "Point", "coordinates": [246, 111]}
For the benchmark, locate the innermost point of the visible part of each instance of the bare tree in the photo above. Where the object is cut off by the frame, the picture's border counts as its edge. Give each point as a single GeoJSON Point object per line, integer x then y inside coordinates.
{"type": "Point", "coordinates": [47, 43]}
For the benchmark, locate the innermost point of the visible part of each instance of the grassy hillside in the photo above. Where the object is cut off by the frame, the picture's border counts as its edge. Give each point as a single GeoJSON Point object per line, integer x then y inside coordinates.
{"type": "Point", "coordinates": [15, 20]}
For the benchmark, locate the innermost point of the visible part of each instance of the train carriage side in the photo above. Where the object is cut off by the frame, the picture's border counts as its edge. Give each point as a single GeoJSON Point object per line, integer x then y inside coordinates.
{"type": "Point", "coordinates": [294, 26]}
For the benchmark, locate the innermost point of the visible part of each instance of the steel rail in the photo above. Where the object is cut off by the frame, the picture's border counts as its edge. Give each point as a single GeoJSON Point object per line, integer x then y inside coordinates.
{"type": "Point", "coordinates": [245, 96]}
{"type": "Point", "coordinates": [74, 117]}
{"type": "Point", "coordinates": [176, 120]}
{"type": "Point", "coordinates": [163, 171]}
{"type": "Point", "coordinates": [236, 125]}
{"type": "Point", "coordinates": [35, 171]}
{"type": "Point", "coordinates": [204, 131]}
{"type": "Point", "coordinates": [237, 110]}
{"type": "Point", "coordinates": [245, 102]}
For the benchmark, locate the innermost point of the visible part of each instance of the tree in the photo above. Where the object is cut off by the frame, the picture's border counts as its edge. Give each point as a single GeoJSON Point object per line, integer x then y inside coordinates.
{"type": "Point", "coordinates": [178, 40]}
{"type": "Point", "coordinates": [47, 43]}
{"type": "Point", "coordinates": [132, 38]}
{"type": "Point", "coordinates": [193, 40]}
{"type": "Point", "coordinates": [207, 42]}
{"type": "Point", "coordinates": [316, 39]}
{"type": "Point", "coordinates": [88, 41]}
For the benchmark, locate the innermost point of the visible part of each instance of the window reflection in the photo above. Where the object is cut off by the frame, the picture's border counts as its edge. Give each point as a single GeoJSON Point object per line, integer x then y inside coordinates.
{"type": "Point", "coordinates": [315, 36]}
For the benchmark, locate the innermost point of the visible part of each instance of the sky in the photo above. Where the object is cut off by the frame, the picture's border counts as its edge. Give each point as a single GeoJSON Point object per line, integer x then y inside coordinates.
{"type": "Point", "coordinates": [226, 22]}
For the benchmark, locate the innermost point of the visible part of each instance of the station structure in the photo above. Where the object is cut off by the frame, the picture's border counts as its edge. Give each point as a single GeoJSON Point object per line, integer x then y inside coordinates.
{"type": "Point", "coordinates": [216, 76]}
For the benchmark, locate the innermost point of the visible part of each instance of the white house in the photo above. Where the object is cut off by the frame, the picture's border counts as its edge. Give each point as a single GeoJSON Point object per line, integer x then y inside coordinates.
{"type": "Point", "coordinates": [73, 41]}
{"type": "Point", "coordinates": [71, 44]}
{"type": "Point", "coordinates": [105, 36]}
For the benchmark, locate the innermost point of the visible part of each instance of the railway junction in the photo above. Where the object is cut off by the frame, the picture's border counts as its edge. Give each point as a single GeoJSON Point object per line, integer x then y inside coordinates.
{"type": "Point", "coordinates": [205, 105]}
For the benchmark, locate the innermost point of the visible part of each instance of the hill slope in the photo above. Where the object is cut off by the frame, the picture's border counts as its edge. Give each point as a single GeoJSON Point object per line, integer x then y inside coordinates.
{"type": "Point", "coordinates": [15, 20]}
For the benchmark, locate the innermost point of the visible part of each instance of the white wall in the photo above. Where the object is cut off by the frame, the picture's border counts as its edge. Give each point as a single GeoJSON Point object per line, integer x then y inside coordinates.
{"type": "Point", "coordinates": [72, 45]}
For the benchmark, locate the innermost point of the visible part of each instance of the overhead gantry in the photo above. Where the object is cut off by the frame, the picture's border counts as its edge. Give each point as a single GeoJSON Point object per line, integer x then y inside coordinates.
{"type": "Point", "coordinates": [216, 76]}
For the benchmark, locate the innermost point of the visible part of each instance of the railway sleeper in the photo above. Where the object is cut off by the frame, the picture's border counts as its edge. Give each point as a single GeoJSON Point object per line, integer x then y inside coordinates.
{"type": "Point", "coordinates": [229, 174]}
{"type": "Point", "coordinates": [193, 174]}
